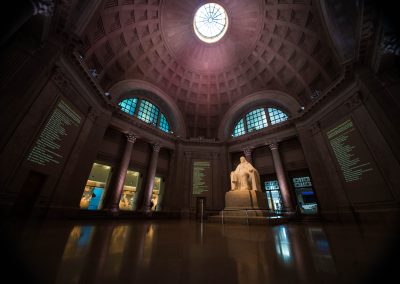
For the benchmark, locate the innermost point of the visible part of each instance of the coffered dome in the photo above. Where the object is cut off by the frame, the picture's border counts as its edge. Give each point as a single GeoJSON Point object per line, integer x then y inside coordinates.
{"type": "Point", "coordinates": [269, 45]}
{"type": "Point", "coordinates": [245, 22]}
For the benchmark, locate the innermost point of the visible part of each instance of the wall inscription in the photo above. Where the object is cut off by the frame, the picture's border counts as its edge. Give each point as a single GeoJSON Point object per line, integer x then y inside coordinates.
{"type": "Point", "coordinates": [361, 176]}
{"type": "Point", "coordinates": [57, 136]}
{"type": "Point", "coordinates": [201, 177]}
{"type": "Point", "coordinates": [348, 151]}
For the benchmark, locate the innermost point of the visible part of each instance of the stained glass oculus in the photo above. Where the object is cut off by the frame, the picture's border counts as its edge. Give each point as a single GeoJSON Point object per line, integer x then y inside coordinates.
{"type": "Point", "coordinates": [210, 22]}
{"type": "Point", "coordinates": [145, 111]}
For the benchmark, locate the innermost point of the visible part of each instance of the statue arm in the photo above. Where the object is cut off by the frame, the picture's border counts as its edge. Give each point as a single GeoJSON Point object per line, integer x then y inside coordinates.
{"type": "Point", "coordinates": [255, 178]}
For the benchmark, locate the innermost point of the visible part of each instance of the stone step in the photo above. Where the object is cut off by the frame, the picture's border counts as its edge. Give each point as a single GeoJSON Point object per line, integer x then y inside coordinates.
{"type": "Point", "coordinates": [250, 213]}
{"type": "Point", "coordinates": [262, 220]}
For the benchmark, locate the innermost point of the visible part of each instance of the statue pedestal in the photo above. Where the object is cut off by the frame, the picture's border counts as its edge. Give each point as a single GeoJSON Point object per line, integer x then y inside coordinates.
{"type": "Point", "coordinates": [247, 207]}
{"type": "Point", "coordinates": [245, 199]}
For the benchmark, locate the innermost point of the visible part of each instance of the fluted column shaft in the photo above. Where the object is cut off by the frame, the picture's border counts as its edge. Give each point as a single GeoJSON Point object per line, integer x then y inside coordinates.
{"type": "Point", "coordinates": [121, 175]}
{"type": "Point", "coordinates": [280, 174]}
{"type": "Point", "coordinates": [150, 178]}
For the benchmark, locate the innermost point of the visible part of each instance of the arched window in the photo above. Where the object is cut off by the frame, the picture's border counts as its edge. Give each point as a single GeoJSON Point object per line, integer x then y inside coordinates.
{"type": "Point", "coordinates": [258, 119]}
{"type": "Point", "coordinates": [164, 125]}
{"type": "Point", "coordinates": [146, 111]}
{"type": "Point", "coordinates": [129, 105]}
{"type": "Point", "coordinates": [276, 115]}
{"type": "Point", "coordinates": [239, 129]}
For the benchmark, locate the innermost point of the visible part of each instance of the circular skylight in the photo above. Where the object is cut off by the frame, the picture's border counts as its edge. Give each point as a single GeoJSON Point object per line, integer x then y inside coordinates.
{"type": "Point", "coordinates": [210, 22]}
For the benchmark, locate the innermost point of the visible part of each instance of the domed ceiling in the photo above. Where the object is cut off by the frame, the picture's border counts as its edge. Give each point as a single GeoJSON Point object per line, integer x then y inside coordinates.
{"type": "Point", "coordinates": [269, 45]}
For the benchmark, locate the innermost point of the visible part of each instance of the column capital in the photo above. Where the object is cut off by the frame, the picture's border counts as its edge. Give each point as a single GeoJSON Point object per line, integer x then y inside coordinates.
{"type": "Point", "coordinates": [247, 150]}
{"type": "Point", "coordinates": [93, 114]}
{"type": "Point", "coordinates": [156, 147]}
{"type": "Point", "coordinates": [131, 137]}
{"type": "Point", "coordinates": [273, 145]}
{"type": "Point", "coordinates": [315, 128]}
{"type": "Point", "coordinates": [355, 101]}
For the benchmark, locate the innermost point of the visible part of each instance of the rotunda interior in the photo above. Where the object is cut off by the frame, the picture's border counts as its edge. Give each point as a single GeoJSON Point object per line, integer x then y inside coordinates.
{"type": "Point", "coordinates": [141, 109]}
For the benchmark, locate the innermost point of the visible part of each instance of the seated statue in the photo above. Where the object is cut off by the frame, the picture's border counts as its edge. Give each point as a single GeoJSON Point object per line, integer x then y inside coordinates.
{"type": "Point", "coordinates": [245, 177]}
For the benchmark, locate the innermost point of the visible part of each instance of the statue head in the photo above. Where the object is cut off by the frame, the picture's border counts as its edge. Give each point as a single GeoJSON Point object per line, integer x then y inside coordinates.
{"type": "Point", "coordinates": [243, 159]}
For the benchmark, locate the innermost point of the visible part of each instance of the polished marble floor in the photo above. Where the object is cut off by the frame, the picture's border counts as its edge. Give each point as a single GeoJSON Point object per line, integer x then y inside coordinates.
{"type": "Point", "coordinates": [183, 251]}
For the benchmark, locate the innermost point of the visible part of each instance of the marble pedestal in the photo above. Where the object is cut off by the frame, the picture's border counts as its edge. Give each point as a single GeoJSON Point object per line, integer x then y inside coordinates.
{"type": "Point", "coordinates": [247, 207]}
{"type": "Point", "coordinates": [245, 199]}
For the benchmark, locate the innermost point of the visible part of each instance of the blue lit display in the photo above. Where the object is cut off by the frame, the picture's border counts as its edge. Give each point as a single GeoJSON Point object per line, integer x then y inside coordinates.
{"type": "Point", "coordinates": [96, 198]}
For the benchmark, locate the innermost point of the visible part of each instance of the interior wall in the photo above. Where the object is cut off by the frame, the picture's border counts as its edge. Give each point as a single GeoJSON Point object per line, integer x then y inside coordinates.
{"type": "Point", "coordinates": [371, 194]}
{"type": "Point", "coordinates": [51, 141]}
{"type": "Point", "coordinates": [180, 195]}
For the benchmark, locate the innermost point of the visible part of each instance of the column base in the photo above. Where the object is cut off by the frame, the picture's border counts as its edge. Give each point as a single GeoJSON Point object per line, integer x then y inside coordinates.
{"type": "Point", "coordinates": [114, 211]}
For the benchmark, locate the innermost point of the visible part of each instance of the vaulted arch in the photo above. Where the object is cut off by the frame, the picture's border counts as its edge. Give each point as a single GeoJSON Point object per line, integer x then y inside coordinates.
{"type": "Point", "coordinates": [123, 89]}
{"type": "Point", "coordinates": [274, 98]}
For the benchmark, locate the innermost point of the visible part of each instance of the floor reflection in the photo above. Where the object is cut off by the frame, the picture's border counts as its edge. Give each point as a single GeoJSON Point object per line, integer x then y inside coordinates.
{"type": "Point", "coordinates": [191, 252]}
{"type": "Point", "coordinates": [282, 244]}
{"type": "Point", "coordinates": [74, 256]}
{"type": "Point", "coordinates": [320, 250]}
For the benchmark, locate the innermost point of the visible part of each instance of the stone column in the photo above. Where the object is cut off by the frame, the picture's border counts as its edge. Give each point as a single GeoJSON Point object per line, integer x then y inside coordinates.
{"type": "Point", "coordinates": [280, 173]}
{"type": "Point", "coordinates": [150, 178]}
{"type": "Point", "coordinates": [162, 199]}
{"type": "Point", "coordinates": [121, 174]}
{"type": "Point", "coordinates": [247, 154]}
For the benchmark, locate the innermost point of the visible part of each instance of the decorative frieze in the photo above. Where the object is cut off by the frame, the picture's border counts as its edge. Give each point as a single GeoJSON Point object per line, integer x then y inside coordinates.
{"type": "Point", "coordinates": [354, 102]}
